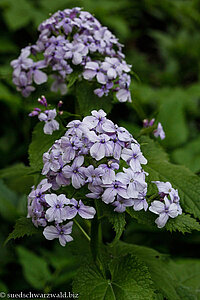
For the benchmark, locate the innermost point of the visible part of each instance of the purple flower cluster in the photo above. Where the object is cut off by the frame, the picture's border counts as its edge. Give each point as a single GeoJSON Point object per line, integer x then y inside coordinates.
{"type": "Point", "coordinates": [68, 39]}
{"type": "Point", "coordinates": [45, 207]}
{"type": "Point", "coordinates": [168, 205]}
{"type": "Point", "coordinates": [158, 132]}
{"type": "Point", "coordinates": [47, 116]}
{"type": "Point", "coordinates": [92, 153]}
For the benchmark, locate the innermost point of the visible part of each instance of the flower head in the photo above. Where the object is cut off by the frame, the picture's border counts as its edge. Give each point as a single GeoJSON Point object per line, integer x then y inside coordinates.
{"type": "Point", "coordinates": [168, 205]}
{"type": "Point", "coordinates": [85, 158]}
{"type": "Point", "coordinates": [70, 38]}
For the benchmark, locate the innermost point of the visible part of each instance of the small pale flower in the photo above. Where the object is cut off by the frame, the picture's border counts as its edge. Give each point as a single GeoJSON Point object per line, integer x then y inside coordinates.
{"type": "Point", "coordinates": [62, 232]}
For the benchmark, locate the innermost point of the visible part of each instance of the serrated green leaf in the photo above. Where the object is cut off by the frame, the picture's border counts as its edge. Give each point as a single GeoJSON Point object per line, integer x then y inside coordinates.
{"type": "Point", "coordinates": [130, 280]}
{"type": "Point", "coordinates": [88, 101]}
{"type": "Point", "coordinates": [23, 226]}
{"type": "Point", "coordinates": [35, 268]}
{"type": "Point", "coordinates": [183, 223]}
{"type": "Point", "coordinates": [158, 265]}
{"type": "Point", "coordinates": [41, 143]}
{"type": "Point", "coordinates": [116, 219]}
{"type": "Point", "coordinates": [187, 183]}
{"type": "Point", "coordinates": [143, 217]}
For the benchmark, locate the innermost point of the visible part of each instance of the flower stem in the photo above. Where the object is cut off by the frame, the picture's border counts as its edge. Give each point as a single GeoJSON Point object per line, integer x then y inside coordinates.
{"type": "Point", "coordinates": [83, 231]}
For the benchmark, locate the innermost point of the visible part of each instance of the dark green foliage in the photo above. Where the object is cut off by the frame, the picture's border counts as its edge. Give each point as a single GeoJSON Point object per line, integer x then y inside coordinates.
{"type": "Point", "coordinates": [23, 226]}
{"type": "Point", "coordinates": [35, 268]}
{"type": "Point", "coordinates": [162, 43]}
{"type": "Point", "coordinates": [18, 177]}
{"type": "Point", "coordinates": [187, 183]}
{"type": "Point", "coordinates": [117, 220]}
{"type": "Point", "coordinates": [130, 279]}
{"type": "Point", "coordinates": [88, 101]}
{"type": "Point", "coordinates": [41, 144]}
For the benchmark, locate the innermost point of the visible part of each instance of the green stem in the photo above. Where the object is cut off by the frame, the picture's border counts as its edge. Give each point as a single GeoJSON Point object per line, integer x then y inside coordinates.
{"type": "Point", "coordinates": [99, 223]}
{"type": "Point", "coordinates": [96, 234]}
{"type": "Point", "coordinates": [96, 240]}
{"type": "Point", "coordinates": [83, 231]}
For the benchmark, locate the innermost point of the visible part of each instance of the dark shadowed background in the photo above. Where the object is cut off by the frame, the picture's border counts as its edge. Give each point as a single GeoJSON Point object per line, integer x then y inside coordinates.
{"type": "Point", "coordinates": [162, 42]}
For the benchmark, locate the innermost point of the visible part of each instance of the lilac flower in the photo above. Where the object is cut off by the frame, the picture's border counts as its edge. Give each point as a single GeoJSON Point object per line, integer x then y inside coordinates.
{"type": "Point", "coordinates": [174, 197]}
{"type": "Point", "coordinates": [91, 70]}
{"type": "Point", "coordinates": [164, 188]}
{"type": "Point", "coordinates": [39, 77]}
{"type": "Point", "coordinates": [37, 203]}
{"type": "Point", "coordinates": [124, 135]}
{"type": "Point", "coordinates": [117, 146]}
{"type": "Point", "coordinates": [93, 175]}
{"type": "Point", "coordinates": [104, 90]}
{"type": "Point", "coordinates": [134, 157]}
{"type": "Point", "coordinates": [23, 62]}
{"type": "Point", "coordinates": [159, 132]}
{"type": "Point", "coordinates": [135, 182]}
{"type": "Point", "coordinates": [38, 193]}
{"type": "Point", "coordinates": [86, 212]}
{"type": "Point", "coordinates": [141, 203]}
{"type": "Point", "coordinates": [56, 212]}
{"type": "Point", "coordinates": [104, 36]}
{"type": "Point", "coordinates": [50, 163]}
{"type": "Point", "coordinates": [60, 178]}
{"type": "Point", "coordinates": [101, 148]}
{"type": "Point", "coordinates": [164, 210]}
{"type": "Point", "coordinates": [75, 51]}
{"type": "Point", "coordinates": [114, 67]}
{"type": "Point", "coordinates": [123, 95]}
{"type": "Point", "coordinates": [75, 172]}
{"type": "Point", "coordinates": [113, 189]}
{"type": "Point", "coordinates": [23, 83]}
{"type": "Point", "coordinates": [62, 232]}
{"type": "Point", "coordinates": [108, 171]}
{"type": "Point", "coordinates": [69, 148]}
{"type": "Point", "coordinates": [50, 124]}
{"type": "Point", "coordinates": [122, 203]}
{"type": "Point", "coordinates": [96, 190]}
{"type": "Point", "coordinates": [96, 120]}
{"type": "Point", "coordinates": [76, 127]}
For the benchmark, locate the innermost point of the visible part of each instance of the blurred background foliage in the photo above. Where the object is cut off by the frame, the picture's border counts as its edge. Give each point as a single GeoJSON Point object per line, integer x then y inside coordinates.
{"type": "Point", "coordinates": [161, 41]}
